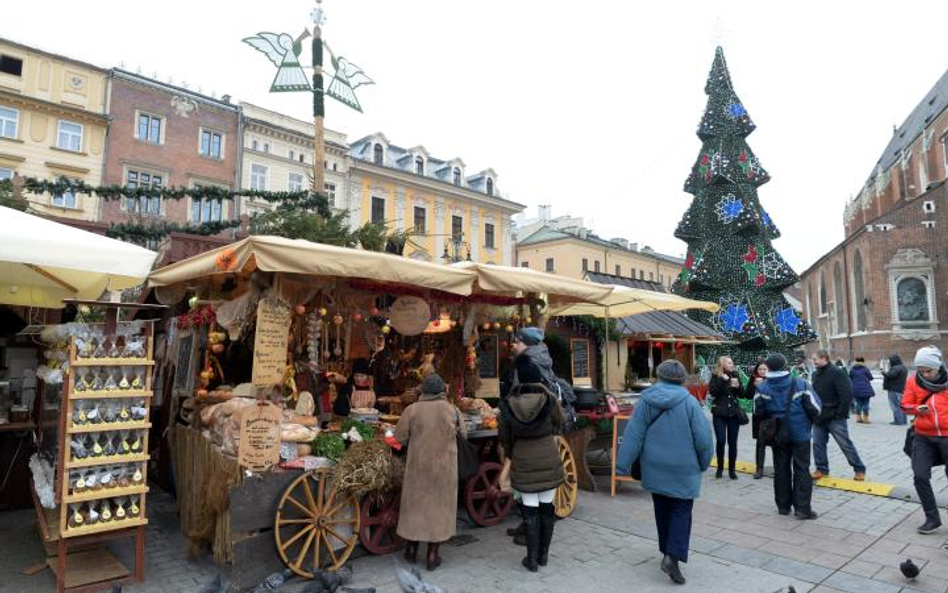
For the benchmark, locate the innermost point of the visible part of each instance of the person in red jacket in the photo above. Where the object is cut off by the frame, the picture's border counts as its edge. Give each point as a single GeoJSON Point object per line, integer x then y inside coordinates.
{"type": "Point", "coordinates": [926, 398]}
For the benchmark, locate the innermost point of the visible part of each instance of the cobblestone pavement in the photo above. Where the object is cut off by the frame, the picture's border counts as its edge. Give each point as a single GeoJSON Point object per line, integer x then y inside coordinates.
{"type": "Point", "coordinates": [739, 543]}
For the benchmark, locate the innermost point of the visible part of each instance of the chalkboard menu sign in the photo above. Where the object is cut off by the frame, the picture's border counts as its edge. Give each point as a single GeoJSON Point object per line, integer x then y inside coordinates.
{"type": "Point", "coordinates": [487, 357]}
{"type": "Point", "coordinates": [580, 354]}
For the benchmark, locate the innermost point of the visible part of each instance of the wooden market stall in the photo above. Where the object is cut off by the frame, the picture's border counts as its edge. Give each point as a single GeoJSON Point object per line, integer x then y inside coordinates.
{"type": "Point", "coordinates": [284, 348]}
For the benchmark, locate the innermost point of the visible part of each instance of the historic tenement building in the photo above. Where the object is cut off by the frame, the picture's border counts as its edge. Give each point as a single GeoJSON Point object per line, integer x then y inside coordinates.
{"type": "Point", "coordinates": [884, 289]}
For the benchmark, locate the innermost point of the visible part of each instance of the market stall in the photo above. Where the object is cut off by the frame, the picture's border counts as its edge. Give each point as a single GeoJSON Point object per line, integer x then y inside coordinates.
{"type": "Point", "coordinates": [291, 361]}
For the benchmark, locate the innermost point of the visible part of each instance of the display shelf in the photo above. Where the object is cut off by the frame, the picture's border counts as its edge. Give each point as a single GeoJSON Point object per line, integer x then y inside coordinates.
{"type": "Point", "coordinates": [29, 425]}
{"type": "Point", "coordinates": [103, 526]}
{"type": "Point", "coordinates": [109, 460]}
{"type": "Point", "coordinates": [112, 362]}
{"type": "Point", "coordinates": [114, 394]}
{"type": "Point", "coordinates": [105, 493]}
{"type": "Point", "coordinates": [107, 427]}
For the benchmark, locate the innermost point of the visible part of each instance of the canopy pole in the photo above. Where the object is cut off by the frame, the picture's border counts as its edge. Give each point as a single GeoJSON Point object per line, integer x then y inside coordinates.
{"type": "Point", "coordinates": [605, 361]}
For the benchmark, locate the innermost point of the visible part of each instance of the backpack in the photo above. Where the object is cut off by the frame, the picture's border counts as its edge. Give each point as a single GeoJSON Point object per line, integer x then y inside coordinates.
{"type": "Point", "coordinates": [567, 397]}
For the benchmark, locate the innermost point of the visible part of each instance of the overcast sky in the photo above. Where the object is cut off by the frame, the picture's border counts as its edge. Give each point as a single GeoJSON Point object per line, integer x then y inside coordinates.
{"type": "Point", "coordinates": [588, 106]}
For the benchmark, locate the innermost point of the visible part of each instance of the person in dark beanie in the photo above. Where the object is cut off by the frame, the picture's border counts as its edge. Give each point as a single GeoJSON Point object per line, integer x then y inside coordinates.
{"type": "Point", "coordinates": [893, 383]}
{"type": "Point", "coordinates": [835, 390]}
{"type": "Point", "coordinates": [861, 379]}
{"type": "Point", "coordinates": [791, 402]}
{"type": "Point", "coordinates": [926, 398]}
{"type": "Point", "coordinates": [530, 417]}
{"type": "Point", "coordinates": [670, 437]}
{"type": "Point", "coordinates": [430, 486]}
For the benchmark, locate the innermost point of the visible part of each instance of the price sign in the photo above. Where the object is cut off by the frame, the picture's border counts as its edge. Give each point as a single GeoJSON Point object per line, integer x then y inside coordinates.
{"type": "Point", "coordinates": [270, 341]}
{"type": "Point", "coordinates": [259, 447]}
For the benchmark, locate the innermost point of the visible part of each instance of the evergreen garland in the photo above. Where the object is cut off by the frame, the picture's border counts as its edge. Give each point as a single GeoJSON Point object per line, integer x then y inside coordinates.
{"type": "Point", "coordinates": [141, 233]}
{"type": "Point", "coordinates": [118, 192]}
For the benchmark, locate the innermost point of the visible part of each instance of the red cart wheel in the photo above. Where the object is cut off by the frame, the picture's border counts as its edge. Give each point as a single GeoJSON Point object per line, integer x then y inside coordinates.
{"type": "Point", "coordinates": [486, 503]}
{"type": "Point", "coordinates": [379, 523]}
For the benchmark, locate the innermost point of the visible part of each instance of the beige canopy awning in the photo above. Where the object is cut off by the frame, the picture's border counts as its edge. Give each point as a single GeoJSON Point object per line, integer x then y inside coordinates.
{"type": "Point", "coordinates": [560, 290]}
{"type": "Point", "coordinates": [43, 262]}
{"type": "Point", "coordinates": [623, 301]}
{"type": "Point", "coordinates": [296, 256]}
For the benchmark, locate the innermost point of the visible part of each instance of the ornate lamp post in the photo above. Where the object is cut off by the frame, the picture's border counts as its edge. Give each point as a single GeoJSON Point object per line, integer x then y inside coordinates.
{"type": "Point", "coordinates": [457, 243]}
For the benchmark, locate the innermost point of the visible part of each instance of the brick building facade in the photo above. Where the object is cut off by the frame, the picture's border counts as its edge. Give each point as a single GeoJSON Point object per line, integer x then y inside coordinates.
{"type": "Point", "coordinates": [164, 135]}
{"type": "Point", "coordinates": [884, 289]}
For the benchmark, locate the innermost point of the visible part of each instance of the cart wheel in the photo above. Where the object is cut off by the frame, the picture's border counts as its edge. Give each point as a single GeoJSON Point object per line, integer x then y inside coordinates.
{"type": "Point", "coordinates": [486, 503]}
{"type": "Point", "coordinates": [379, 520]}
{"type": "Point", "coordinates": [566, 494]}
{"type": "Point", "coordinates": [316, 526]}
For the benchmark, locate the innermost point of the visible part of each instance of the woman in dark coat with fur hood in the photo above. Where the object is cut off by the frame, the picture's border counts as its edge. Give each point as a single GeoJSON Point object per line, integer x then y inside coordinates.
{"type": "Point", "coordinates": [530, 417]}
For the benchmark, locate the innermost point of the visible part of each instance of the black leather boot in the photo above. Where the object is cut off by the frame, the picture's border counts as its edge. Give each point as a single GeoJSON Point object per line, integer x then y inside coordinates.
{"type": "Point", "coordinates": [761, 457]}
{"type": "Point", "coordinates": [720, 471]}
{"type": "Point", "coordinates": [411, 552]}
{"type": "Point", "coordinates": [547, 524]}
{"type": "Point", "coordinates": [531, 518]}
{"type": "Point", "coordinates": [433, 560]}
{"type": "Point", "coordinates": [670, 567]}
{"type": "Point", "coordinates": [731, 472]}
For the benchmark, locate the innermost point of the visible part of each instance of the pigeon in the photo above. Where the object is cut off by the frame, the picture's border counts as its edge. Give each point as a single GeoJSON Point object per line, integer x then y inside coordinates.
{"type": "Point", "coordinates": [351, 590]}
{"type": "Point", "coordinates": [274, 581]}
{"type": "Point", "coordinates": [325, 581]}
{"type": "Point", "coordinates": [411, 582]}
{"type": "Point", "coordinates": [909, 569]}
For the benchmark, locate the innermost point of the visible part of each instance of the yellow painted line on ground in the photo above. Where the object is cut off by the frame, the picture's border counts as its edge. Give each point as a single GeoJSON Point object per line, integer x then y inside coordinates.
{"type": "Point", "coordinates": [834, 482]}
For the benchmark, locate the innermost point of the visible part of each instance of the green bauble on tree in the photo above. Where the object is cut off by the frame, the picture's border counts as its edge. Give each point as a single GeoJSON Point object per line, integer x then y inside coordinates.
{"type": "Point", "coordinates": [731, 259]}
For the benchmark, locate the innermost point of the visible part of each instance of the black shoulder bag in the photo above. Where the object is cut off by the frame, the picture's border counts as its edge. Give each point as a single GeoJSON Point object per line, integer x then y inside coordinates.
{"type": "Point", "coordinates": [776, 429]}
{"type": "Point", "coordinates": [910, 433]}
{"type": "Point", "coordinates": [636, 470]}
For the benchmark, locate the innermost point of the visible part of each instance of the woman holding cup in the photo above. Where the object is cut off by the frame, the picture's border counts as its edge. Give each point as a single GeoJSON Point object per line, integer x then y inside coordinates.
{"type": "Point", "coordinates": [725, 392]}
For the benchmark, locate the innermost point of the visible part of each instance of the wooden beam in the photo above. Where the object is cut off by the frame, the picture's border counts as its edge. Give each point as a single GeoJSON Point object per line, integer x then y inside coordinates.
{"type": "Point", "coordinates": [52, 278]}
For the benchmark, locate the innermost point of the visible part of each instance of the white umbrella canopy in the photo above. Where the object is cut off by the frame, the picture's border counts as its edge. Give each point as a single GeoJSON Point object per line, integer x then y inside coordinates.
{"type": "Point", "coordinates": [625, 301]}
{"type": "Point", "coordinates": [43, 262]}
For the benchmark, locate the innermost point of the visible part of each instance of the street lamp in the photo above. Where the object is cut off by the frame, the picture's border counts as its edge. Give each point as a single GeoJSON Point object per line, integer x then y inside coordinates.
{"type": "Point", "coordinates": [457, 243]}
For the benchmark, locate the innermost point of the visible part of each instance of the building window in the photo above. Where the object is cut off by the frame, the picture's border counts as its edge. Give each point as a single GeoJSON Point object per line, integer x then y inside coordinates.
{"type": "Point", "coordinates": [549, 264]}
{"type": "Point", "coordinates": [330, 193]}
{"type": "Point", "coordinates": [651, 276]}
{"type": "Point", "coordinates": [419, 165]}
{"type": "Point", "coordinates": [266, 147]}
{"type": "Point", "coordinates": [211, 143]}
{"type": "Point", "coordinates": [70, 136]}
{"type": "Point", "coordinates": [149, 128]}
{"type": "Point", "coordinates": [457, 228]}
{"type": "Point", "coordinates": [839, 299]}
{"type": "Point", "coordinates": [5, 174]}
{"type": "Point", "coordinates": [143, 204]}
{"type": "Point", "coordinates": [490, 186]}
{"type": "Point", "coordinates": [912, 295]}
{"type": "Point", "coordinates": [661, 279]}
{"type": "Point", "coordinates": [420, 214]}
{"type": "Point", "coordinates": [378, 154]}
{"type": "Point", "coordinates": [928, 206]}
{"type": "Point", "coordinates": [488, 235]}
{"type": "Point", "coordinates": [258, 177]}
{"type": "Point", "coordinates": [618, 270]}
{"type": "Point", "coordinates": [302, 157]}
{"type": "Point", "coordinates": [378, 210]}
{"type": "Point", "coordinates": [585, 265]}
{"type": "Point", "coordinates": [641, 275]}
{"type": "Point", "coordinates": [596, 266]}
{"type": "Point", "coordinates": [334, 168]}
{"type": "Point", "coordinates": [254, 145]}
{"type": "Point", "coordinates": [859, 290]}
{"type": "Point", "coordinates": [524, 264]}
{"type": "Point", "coordinates": [822, 294]}
{"type": "Point", "coordinates": [457, 176]}
{"type": "Point", "coordinates": [292, 154]}
{"type": "Point", "coordinates": [206, 210]}
{"type": "Point", "coordinates": [294, 182]}
{"type": "Point", "coordinates": [67, 199]}
{"type": "Point", "coordinates": [928, 224]}
{"type": "Point", "coordinates": [9, 118]}
{"type": "Point", "coordinates": [632, 273]}
{"type": "Point", "coordinates": [11, 65]}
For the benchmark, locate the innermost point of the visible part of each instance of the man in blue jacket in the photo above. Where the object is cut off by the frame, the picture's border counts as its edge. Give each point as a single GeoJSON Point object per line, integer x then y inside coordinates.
{"type": "Point", "coordinates": [793, 403]}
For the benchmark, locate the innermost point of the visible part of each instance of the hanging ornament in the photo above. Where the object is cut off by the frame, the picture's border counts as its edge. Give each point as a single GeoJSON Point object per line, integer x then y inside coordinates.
{"type": "Point", "coordinates": [301, 309]}
{"type": "Point", "coordinates": [337, 319]}
{"type": "Point", "coordinates": [323, 311]}
{"type": "Point", "coordinates": [357, 317]}
{"type": "Point", "coordinates": [374, 311]}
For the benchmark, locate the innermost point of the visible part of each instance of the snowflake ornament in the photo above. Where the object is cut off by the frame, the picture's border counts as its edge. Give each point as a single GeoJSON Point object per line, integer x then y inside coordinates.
{"type": "Point", "coordinates": [734, 318]}
{"type": "Point", "coordinates": [787, 320]}
{"type": "Point", "coordinates": [770, 265]}
{"type": "Point", "coordinates": [729, 208]}
{"type": "Point", "coordinates": [734, 110]}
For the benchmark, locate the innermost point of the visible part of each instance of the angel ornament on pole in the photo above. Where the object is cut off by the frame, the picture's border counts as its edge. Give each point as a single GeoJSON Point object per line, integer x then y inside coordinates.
{"type": "Point", "coordinates": [284, 51]}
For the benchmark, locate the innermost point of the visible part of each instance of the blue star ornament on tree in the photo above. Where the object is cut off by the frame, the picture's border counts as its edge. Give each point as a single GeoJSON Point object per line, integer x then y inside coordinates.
{"type": "Point", "coordinates": [734, 318]}
{"type": "Point", "coordinates": [729, 208]}
{"type": "Point", "coordinates": [787, 320]}
{"type": "Point", "coordinates": [735, 110]}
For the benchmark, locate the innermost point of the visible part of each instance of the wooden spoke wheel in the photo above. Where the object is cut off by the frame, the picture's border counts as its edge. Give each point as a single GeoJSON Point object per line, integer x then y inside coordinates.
{"type": "Point", "coordinates": [316, 526]}
{"type": "Point", "coordinates": [379, 521]}
{"type": "Point", "coordinates": [566, 494]}
{"type": "Point", "coordinates": [486, 503]}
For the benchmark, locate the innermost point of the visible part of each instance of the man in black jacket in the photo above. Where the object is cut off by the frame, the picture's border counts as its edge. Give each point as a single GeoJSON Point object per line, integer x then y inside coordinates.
{"type": "Point", "coordinates": [893, 382]}
{"type": "Point", "coordinates": [832, 385]}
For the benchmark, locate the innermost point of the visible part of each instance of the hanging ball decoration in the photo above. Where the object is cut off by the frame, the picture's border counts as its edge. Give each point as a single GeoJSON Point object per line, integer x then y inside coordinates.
{"type": "Point", "coordinates": [486, 326]}
{"type": "Point", "coordinates": [217, 348]}
{"type": "Point", "coordinates": [454, 323]}
{"type": "Point", "coordinates": [529, 319]}
{"type": "Point", "coordinates": [301, 309]}
{"type": "Point", "coordinates": [496, 325]}
{"type": "Point", "coordinates": [337, 319]}
{"type": "Point", "coordinates": [201, 392]}
{"type": "Point", "coordinates": [510, 329]}
{"type": "Point", "coordinates": [193, 302]}
{"type": "Point", "coordinates": [516, 317]}
{"type": "Point", "coordinates": [374, 311]}
{"type": "Point", "coordinates": [323, 311]}
{"type": "Point", "coordinates": [436, 322]}
{"type": "Point", "coordinates": [206, 375]}
{"type": "Point", "coordinates": [357, 317]}
{"type": "Point", "coordinates": [386, 329]}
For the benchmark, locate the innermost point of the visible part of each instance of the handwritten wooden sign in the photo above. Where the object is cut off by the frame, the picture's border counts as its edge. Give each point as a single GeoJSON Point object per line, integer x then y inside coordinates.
{"type": "Point", "coordinates": [409, 315]}
{"type": "Point", "coordinates": [259, 447]}
{"type": "Point", "coordinates": [270, 342]}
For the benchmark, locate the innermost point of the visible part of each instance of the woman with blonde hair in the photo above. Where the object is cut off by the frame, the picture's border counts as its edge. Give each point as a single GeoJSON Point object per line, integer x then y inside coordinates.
{"type": "Point", "coordinates": [725, 392]}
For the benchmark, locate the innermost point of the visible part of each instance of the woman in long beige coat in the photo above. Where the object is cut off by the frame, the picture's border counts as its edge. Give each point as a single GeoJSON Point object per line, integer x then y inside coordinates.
{"type": "Point", "coordinates": [430, 489]}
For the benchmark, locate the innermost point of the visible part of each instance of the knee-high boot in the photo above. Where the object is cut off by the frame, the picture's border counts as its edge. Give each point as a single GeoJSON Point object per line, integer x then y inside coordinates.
{"type": "Point", "coordinates": [531, 519]}
{"type": "Point", "coordinates": [547, 524]}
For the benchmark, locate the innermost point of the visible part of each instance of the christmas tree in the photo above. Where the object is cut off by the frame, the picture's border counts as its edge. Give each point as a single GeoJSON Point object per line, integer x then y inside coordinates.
{"type": "Point", "coordinates": [730, 258]}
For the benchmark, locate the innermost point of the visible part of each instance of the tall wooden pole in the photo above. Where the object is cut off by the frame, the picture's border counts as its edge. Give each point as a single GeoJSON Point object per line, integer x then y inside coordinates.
{"type": "Point", "coordinates": [319, 113]}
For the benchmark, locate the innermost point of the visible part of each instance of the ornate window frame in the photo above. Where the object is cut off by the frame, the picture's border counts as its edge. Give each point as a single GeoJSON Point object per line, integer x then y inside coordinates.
{"type": "Point", "coordinates": [912, 263]}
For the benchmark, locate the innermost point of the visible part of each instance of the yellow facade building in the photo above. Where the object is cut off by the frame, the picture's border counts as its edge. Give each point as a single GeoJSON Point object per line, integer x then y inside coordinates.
{"type": "Point", "coordinates": [450, 212]}
{"type": "Point", "coordinates": [52, 124]}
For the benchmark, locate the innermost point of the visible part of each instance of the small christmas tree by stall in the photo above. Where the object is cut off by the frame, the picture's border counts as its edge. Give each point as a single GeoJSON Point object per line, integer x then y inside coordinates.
{"type": "Point", "coordinates": [730, 258]}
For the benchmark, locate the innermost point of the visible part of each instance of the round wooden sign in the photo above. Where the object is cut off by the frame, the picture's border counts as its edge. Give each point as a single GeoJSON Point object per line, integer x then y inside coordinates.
{"type": "Point", "coordinates": [409, 315]}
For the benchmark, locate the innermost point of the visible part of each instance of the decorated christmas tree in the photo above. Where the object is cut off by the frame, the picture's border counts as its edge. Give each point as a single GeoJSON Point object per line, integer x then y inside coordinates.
{"type": "Point", "coordinates": [731, 259]}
